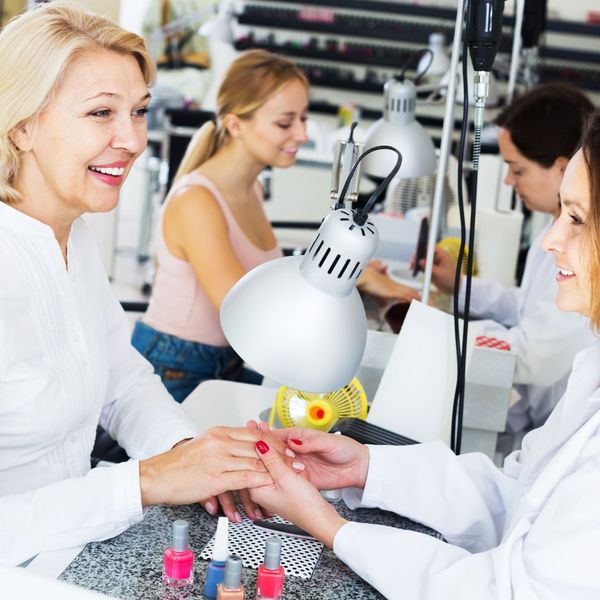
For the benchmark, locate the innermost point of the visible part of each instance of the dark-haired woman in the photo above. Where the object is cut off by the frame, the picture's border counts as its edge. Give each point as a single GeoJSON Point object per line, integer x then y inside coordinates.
{"type": "Point", "coordinates": [538, 134]}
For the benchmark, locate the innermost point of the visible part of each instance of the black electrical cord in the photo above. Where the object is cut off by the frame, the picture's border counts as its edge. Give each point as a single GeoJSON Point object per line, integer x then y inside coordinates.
{"type": "Point", "coordinates": [416, 55]}
{"type": "Point", "coordinates": [457, 410]}
{"type": "Point", "coordinates": [361, 215]}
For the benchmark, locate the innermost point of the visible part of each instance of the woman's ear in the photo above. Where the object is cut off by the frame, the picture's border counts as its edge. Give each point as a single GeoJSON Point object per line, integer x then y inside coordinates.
{"type": "Point", "coordinates": [561, 163]}
{"type": "Point", "coordinates": [22, 136]}
{"type": "Point", "coordinates": [232, 125]}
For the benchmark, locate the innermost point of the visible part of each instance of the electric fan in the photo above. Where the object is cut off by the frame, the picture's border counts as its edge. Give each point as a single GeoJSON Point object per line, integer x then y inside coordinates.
{"type": "Point", "coordinates": [319, 411]}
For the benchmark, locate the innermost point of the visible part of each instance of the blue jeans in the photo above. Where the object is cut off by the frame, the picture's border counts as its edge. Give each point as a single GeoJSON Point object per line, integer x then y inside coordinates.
{"type": "Point", "coordinates": [182, 364]}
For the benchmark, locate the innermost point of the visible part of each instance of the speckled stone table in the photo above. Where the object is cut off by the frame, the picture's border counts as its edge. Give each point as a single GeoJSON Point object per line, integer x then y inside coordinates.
{"type": "Point", "coordinates": [130, 565]}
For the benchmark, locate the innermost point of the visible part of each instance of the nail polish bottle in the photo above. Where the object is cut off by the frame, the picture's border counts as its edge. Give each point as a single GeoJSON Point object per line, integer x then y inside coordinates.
{"type": "Point", "coordinates": [178, 564]}
{"type": "Point", "coordinates": [269, 582]}
{"type": "Point", "coordinates": [232, 588]}
{"type": "Point", "coordinates": [216, 568]}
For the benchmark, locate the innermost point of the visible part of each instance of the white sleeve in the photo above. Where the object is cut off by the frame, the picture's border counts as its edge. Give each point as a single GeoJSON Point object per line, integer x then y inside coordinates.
{"type": "Point", "coordinates": [139, 412]}
{"type": "Point", "coordinates": [491, 300]}
{"type": "Point", "coordinates": [551, 555]}
{"type": "Point", "coordinates": [543, 342]}
{"type": "Point", "coordinates": [69, 513]}
{"type": "Point", "coordinates": [463, 497]}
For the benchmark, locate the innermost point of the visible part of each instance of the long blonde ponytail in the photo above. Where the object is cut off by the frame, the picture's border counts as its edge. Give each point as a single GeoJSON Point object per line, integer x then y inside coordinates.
{"type": "Point", "coordinates": [204, 143]}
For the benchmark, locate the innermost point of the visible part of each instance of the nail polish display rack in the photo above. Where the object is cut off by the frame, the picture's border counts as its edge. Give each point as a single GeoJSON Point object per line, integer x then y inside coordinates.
{"type": "Point", "coordinates": [356, 45]}
{"type": "Point", "coordinates": [299, 556]}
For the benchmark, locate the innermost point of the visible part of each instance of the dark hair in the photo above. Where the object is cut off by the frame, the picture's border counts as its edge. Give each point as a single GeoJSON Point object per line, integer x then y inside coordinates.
{"type": "Point", "coordinates": [590, 145]}
{"type": "Point", "coordinates": [546, 123]}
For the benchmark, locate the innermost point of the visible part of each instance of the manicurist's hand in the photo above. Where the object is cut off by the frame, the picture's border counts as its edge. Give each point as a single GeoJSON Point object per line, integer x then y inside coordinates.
{"type": "Point", "coordinates": [205, 468]}
{"type": "Point", "coordinates": [293, 497]}
{"type": "Point", "coordinates": [443, 270]}
{"type": "Point", "coordinates": [330, 461]}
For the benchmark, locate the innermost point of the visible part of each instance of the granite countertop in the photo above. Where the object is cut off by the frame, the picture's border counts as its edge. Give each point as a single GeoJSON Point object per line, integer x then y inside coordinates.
{"type": "Point", "coordinates": [130, 565]}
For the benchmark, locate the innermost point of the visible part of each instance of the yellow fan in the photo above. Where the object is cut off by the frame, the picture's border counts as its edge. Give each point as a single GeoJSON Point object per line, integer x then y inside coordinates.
{"type": "Point", "coordinates": [319, 411]}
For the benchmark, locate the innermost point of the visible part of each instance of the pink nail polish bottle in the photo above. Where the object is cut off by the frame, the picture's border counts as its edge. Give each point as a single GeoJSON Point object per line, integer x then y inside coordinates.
{"type": "Point", "coordinates": [269, 582]}
{"type": "Point", "coordinates": [178, 564]}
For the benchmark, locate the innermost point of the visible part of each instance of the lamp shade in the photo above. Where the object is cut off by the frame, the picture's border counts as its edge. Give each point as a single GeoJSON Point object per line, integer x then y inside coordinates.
{"type": "Point", "coordinates": [299, 320]}
{"type": "Point", "coordinates": [399, 128]}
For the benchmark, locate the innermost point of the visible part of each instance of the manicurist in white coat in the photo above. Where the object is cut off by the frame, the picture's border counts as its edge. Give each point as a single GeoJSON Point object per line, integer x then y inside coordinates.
{"type": "Point", "coordinates": [74, 92]}
{"type": "Point", "coordinates": [538, 134]}
{"type": "Point", "coordinates": [528, 531]}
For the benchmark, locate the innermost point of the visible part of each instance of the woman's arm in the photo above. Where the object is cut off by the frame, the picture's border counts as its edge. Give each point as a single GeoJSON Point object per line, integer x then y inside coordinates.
{"type": "Point", "coordinates": [550, 554]}
{"type": "Point", "coordinates": [69, 513]}
{"type": "Point", "coordinates": [196, 230]}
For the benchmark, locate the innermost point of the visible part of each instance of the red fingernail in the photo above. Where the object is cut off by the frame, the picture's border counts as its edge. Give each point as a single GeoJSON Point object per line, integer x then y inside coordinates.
{"type": "Point", "coordinates": [262, 447]}
{"type": "Point", "coordinates": [297, 442]}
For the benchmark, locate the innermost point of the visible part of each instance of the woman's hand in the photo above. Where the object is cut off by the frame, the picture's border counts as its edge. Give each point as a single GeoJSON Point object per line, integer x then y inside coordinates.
{"type": "Point", "coordinates": [296, 499]}
{"type": "Point", "coordinates": [330, 461]}
{"type": "Point", "coordinates": [198, 470]}
{"type": "Point", "coordinates": [374, 280]}
{"type": "Point", "coordinates": [443, 270]}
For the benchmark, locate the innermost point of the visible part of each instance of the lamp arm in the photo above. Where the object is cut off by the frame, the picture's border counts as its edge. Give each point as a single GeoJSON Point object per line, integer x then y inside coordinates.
{"type": "Point", "coordinates": [360, 216]}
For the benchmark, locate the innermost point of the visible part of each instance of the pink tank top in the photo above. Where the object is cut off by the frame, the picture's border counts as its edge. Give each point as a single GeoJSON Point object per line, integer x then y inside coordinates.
{"type": "Point", "coordinates": [179, 306]}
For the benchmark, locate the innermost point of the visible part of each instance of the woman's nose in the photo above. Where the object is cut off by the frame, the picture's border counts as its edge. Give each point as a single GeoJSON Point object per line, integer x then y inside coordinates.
{"type": "Point", "coordinates": [300, 134]}
{"type": "Point", "coordinates": [130, 136]}
{"type": "Point", "coordinates": [553, 241]}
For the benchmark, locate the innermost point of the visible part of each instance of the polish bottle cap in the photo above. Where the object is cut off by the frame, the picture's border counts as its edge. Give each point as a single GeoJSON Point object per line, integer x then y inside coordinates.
{"type": "Point", "coordinates": [233, 573]}
{"type": "Point", "coordinates": [180, 535]}
{"type": "Point", "coordinates": [220, 550]}
{"type": "Point", "coordinates": [272, 553]}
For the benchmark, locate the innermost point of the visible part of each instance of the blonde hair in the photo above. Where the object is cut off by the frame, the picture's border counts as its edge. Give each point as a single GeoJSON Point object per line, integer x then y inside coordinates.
{"type": "Point", "coordinates": [36, 49]}
{"type": "Point", "coordinates": [248, 83]}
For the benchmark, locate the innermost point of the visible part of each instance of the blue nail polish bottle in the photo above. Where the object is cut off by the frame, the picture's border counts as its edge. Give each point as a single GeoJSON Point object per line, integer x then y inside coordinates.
{"type": "Point", "coordinates": [216, 568]}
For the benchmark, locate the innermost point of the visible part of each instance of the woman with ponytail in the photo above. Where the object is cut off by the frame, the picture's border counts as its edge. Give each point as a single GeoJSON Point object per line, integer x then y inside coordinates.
{"type": "Point", "coordinates": [213, 228]}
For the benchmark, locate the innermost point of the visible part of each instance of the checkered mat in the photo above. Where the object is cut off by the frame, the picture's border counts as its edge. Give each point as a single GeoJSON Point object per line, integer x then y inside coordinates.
{"type": "Point", "coordinates": [298, 556]}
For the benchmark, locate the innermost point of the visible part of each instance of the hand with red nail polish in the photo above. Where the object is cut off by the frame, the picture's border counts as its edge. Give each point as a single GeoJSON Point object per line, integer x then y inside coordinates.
{"type": "Point", "coordinates": [262, 447]}
{"type": "Point", "coordinates": [289, 494]}
{"type": "Point", "coordinates": [208, 468]}
{"type": "Point", "coordinates": [330, 461]}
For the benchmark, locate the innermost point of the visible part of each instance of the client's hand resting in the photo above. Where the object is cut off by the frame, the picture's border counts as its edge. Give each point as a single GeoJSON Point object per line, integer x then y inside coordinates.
{"type": "Point", "coordinates": [206, 467]}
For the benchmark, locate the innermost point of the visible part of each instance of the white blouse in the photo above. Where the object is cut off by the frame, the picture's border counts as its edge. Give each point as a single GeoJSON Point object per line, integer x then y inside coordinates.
{"type": "Point", "coordinates": [67, 364]}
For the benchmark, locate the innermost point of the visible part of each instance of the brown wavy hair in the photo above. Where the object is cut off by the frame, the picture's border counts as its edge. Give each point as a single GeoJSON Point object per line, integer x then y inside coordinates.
{"type": "Point", "coordinates": [590, 145]}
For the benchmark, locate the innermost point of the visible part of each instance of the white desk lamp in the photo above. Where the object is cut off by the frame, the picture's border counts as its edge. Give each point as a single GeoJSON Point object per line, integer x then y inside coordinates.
{"type": "Point", "coordinates": [299, 320]}
{"type": "Point", "coordinates": [439, 63]}
{"type": "Point", "coordinates": [399, 128]}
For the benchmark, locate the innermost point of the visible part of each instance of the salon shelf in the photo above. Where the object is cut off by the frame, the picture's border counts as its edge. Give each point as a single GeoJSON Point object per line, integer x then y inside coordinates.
{"type": "Point", "coordinates": [433, 12]}
{"type": "Point", "coordinates": [362, 54]}
{"type": "Point", "coordinates": [575, 58]}
{"type": "Point", "coordinates": [386, 29]}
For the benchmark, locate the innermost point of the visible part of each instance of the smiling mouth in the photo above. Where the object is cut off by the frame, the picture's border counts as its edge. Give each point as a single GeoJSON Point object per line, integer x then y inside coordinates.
{"type": "Point", "coordinates": [564, 275]}
{"type": "Point", "coordinates": [112, 171]}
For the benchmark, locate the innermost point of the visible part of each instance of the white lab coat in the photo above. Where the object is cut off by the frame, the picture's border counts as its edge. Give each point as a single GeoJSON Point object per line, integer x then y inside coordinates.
{"type": "Point", "coordinates": [528, 531]}
{"type": "Point", "coordinates": [66, 363]}
{"type": "Point", "coordinates": [543, 338]}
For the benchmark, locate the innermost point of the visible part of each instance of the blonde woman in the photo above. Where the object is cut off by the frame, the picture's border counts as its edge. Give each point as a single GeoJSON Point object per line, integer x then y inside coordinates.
{"type": "Point", "coordinates": [213, 228]}
{"type": "Point", "coordinates": [74, 92]}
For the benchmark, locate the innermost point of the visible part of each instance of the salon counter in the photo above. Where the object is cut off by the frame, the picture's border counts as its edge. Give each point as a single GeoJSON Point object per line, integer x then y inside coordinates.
{"type": "Point", "coordinates": [130, 565]}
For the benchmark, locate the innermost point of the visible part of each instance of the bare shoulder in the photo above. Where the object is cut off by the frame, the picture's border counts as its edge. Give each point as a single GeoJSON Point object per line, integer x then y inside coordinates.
{"type": "Point", "coordinates": [191, 203]}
